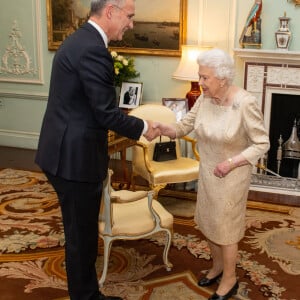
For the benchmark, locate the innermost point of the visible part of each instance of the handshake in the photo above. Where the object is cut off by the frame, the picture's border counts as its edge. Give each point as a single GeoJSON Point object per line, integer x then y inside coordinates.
{"type": "Point", "coordinates": [156, 128]}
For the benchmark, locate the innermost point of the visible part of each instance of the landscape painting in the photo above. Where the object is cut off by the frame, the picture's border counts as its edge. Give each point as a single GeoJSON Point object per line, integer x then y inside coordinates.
{"type": "Point", "coordinates": [158, 30]}
{"type": "Point", "coordinates": [159, 26]}
{"type": "Point", "coordinates": [64, 17]}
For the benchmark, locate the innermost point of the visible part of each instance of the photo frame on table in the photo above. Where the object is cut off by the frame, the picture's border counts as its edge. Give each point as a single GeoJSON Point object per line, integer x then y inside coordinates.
{"type": "Point", "coordinates": [159, 29]}
{"type": "Point", "coordinates": [178, 105]}
{"type": "Point", "coordinates": [131, 94]}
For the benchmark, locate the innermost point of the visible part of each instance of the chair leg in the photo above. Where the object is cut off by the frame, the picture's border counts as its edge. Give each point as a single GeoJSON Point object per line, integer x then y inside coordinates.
{"type": "Point", "coordinates": [107, 246]}
{"type": "Point", "coordinates": [156, 188]}
{"type": "Point", "coordinates": [166, 250]}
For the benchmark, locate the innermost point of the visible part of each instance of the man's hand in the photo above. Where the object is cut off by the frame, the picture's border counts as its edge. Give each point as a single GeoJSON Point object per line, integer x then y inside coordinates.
{"type": "Point", "coordinates": [152, 131]}
{"type": "Point", "coordinates": [165, 129]}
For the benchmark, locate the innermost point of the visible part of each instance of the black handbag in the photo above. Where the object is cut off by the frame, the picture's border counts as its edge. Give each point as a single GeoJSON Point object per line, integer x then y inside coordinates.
{"type": "Point", "coordinates": [164, 151]}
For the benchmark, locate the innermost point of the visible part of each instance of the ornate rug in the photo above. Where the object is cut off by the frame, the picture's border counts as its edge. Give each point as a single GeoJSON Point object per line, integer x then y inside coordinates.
{"type": "Point", "coordinates": [32, 251]}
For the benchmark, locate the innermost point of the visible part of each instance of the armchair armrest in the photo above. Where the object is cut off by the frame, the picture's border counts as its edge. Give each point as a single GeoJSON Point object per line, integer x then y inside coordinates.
{"type": "Point", "coordinates": [146, 155]}
{"type": "Point", "coordinates": [194, 143]}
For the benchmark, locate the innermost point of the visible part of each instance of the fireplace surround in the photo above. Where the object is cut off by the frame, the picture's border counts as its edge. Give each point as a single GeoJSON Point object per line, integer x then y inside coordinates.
{"type": "Point", "coordinates": [271, 76]}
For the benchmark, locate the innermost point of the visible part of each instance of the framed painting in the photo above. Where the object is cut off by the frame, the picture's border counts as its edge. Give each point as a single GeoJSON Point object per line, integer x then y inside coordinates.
{"type": "Point", "coordinates": [130, 95]}
{"type": "Point", "coordinates": [159, 29]}
{"type": "Point", "coordinates": [63, 18]}
{"type": "Point", "coordinates": [159, 26]}
{"type": "Point", "coordinates": [178, 105]}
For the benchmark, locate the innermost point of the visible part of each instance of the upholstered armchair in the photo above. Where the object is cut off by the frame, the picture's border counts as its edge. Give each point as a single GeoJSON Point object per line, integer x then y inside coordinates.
{"type": "Point", "coordinates": [128, 215]}
{"type": "Point", "coordinates": [159, 174]}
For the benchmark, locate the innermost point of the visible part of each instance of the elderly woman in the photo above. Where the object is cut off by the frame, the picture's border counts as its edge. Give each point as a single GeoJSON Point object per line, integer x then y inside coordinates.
{"type": "Point", "coordinates": [231, 137]}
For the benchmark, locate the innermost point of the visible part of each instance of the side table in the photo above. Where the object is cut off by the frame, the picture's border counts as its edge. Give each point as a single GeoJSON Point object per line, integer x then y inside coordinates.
{"type": "Point", "coordinates": [120, 144]}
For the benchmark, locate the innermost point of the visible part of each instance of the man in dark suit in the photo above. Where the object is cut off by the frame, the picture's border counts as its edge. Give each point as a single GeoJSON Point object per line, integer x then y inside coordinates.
{"type": "Point", "coordinates": [73, 147]}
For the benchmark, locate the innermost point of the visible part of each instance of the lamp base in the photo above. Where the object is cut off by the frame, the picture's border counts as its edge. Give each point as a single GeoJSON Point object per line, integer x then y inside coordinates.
{"type": "Point", "coordinates": [193, 94]}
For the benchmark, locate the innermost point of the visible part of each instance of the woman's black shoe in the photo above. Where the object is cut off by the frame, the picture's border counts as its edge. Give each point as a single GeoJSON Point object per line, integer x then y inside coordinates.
{"type": "Point", "coordinates": [231, 292]}
{"type": "Point", "coordinates": [206, 281]}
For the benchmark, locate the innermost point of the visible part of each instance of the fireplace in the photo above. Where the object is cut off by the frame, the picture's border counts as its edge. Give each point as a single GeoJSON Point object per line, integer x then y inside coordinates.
{"type": "Point", "coordinates": [274, 78]}
{"type": "Point", "coordinates": [284, 113]}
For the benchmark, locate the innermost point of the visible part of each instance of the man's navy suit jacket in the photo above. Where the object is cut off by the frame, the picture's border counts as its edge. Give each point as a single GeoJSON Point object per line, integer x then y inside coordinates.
{"type": "Point", "coordinates": [81, 108]}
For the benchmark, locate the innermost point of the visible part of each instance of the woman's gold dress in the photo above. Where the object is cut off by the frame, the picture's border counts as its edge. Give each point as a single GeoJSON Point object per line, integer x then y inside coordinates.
{"type": "Point", "coordinates": [223, 132]}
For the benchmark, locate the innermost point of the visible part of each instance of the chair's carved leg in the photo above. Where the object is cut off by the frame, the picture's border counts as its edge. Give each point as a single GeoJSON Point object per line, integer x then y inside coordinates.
{"type": "Point", "coordinates": [107, 246]}
{"type": "Point", "coordinates": [166, 250]}
{"type": "Point", "coordinates": [156, 188]}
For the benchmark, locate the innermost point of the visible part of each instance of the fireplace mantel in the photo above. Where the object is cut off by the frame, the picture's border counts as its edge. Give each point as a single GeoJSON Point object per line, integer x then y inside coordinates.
{"type": "Point", "coordinates": [268, 56]}
{"type": "Point", "coordinates": [267, 72]}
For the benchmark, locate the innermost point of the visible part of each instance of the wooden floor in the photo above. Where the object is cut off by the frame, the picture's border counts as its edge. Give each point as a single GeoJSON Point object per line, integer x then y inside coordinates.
{"type": "Point", "coordinates": [18, 158]}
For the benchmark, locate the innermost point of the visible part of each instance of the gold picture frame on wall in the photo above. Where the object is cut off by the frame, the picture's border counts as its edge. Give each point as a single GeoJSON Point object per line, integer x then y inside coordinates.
{"type": "Point", "coordinates": [63, 18]}
{"type": "Point", "coordinates": [160, 29]}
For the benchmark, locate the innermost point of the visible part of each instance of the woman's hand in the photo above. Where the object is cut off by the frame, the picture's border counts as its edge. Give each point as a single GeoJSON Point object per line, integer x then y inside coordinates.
{"type": "Point", "coordinates": [165, 129]}
{"type": "Point", "coordinates": [226, 166]}
{"type": "Point", "coordinates": [222, 169]}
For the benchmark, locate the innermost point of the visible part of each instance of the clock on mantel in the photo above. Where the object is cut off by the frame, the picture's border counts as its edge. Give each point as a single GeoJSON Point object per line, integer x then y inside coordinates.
{"type": "Point", "coordinates": [260, 55]}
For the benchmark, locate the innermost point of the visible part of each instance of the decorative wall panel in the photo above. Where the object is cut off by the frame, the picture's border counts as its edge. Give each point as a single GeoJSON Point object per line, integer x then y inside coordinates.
{"type": "Point", "coordinates": [20, 49]}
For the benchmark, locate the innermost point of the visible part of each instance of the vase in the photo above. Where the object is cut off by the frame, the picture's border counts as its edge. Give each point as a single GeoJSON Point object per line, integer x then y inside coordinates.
{"type": "Point", "coordinates": [283, 34]}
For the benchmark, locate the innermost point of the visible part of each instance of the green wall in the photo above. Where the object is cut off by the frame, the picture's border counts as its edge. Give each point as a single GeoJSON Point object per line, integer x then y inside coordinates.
{"type": "Point", "coordinates": [23, 96]}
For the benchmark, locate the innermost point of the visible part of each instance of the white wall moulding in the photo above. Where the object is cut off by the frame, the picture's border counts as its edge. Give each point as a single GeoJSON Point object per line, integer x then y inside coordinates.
{"type": "Point", "coordinates": [254, 55]}
{"type": "Point", "coordinates": [23, 95]}
{"type": "Point", "coordinates": [21, 46]}
{"type": "Point", "coordinates": [19, 139]}
{"type": "Point", "coordinates": [16, 131]}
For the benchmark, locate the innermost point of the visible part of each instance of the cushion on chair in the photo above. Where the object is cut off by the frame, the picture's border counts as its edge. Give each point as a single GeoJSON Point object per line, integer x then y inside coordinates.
{"type": "Point", "coordinates": [183, 169]}
{"type": "Point", "coordinates": [134, 218]}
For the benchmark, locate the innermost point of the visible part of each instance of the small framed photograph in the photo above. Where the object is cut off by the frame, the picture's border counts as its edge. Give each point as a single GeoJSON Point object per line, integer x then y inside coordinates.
{"type": "Point", "coordinates": [131, 94]}
{"type": "Point", "coordinates": [178, 105]}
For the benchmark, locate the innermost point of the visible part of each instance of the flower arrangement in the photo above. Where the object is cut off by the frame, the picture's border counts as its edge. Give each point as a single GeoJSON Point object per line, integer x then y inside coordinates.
{"type": "Point", "coordinates": [124, 68]}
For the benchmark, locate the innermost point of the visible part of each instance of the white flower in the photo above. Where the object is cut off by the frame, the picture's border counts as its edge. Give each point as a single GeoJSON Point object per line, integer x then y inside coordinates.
{"type": "Point", "coordinates": [114, 54]}
{"type": "Point", "coordinates": [124, 68]}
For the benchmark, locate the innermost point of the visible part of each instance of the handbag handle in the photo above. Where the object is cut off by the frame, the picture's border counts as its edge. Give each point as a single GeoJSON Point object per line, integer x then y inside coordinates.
{"type": "Point", "coordinates": [160, 139]}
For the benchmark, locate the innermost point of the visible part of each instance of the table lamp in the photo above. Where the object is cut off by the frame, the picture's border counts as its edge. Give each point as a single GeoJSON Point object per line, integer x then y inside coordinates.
{"type": "Point", "coordinates": [188, 70]}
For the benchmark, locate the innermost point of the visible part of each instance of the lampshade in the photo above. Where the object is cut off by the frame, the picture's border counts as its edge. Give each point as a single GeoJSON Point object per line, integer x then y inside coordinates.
{"type": "Point", "coordinates": [188, 67]}
{"type": "Point", "coordinates": [188, 70]}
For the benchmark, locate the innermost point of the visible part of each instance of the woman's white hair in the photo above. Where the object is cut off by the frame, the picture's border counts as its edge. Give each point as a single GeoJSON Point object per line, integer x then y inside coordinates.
{"type": "Point", "coordinates": [220, 61]}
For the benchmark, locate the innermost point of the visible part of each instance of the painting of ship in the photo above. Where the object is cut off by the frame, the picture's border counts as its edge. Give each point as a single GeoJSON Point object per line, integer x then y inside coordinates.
{"type": "Point", "coordinates": [164, 35]}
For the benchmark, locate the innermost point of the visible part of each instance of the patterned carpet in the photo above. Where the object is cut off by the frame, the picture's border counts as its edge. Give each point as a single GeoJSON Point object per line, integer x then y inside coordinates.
{"type": "Point", "coordinates": [32, 254]}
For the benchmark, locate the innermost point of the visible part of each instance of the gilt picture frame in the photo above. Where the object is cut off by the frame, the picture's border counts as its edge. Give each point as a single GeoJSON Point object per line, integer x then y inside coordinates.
{"type": "Point", "coordinates": [178, 105]}
{"type": "Point", "coordinates": [158, 30]}
{"type": "Point", "coordinates": [131, 94]}
{"type": "Point", "coordinates": [63, 18]}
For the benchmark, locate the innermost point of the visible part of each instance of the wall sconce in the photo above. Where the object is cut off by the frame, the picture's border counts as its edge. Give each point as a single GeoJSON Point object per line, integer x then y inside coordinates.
{"type": "Point", "coordinates": [188, 70]}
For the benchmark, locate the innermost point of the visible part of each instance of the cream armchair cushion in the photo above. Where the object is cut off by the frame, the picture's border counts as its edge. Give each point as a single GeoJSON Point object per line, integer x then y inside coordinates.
{"type": "Point", "coordinates": [135, 217]}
